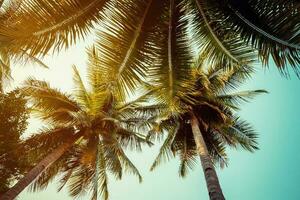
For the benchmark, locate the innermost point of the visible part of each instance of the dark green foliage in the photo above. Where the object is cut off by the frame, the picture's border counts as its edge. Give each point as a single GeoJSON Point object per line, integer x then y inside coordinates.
{"type": "Point", "coordinates": [13, 116]}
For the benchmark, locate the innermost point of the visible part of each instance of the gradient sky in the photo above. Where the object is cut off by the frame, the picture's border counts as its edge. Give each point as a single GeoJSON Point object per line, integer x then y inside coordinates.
{"type": "Point", "coordinates": [269, 174]}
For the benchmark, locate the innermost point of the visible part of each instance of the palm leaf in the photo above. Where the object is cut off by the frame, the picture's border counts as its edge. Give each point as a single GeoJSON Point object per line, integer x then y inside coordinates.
{"type": "Point", "coordinates": [128, 166]}
{"type": "Point", "coordinates": [235, 99]}
{"type": "Point", "coordinates": [263, 25]}
{"type": "Point", "coordinates": [46, 98]}
{"type": "Point", "coordinates": [59, 24]}
{"type": "Point", "coordinates": [215, 39]}
{"type": "Point", "coordinates": [173, 72]}
{"type": "Point", "coordinates": [80, 91]}
{"type": "Point", "coordinates": [165, 152]}
{"type": "Point", "coordinates": [241, 134]}
{"type": "Point", "coordinates": [187, 158]}
{"type": "Point", "coordinates": [128, 48]}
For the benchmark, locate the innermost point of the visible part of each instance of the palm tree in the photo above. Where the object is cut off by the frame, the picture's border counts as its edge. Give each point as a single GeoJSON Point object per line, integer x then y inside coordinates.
{"type": "Point", "coordinates": [221, 28]}
{"type": "Point", "coordinates": [193, 98]}
{"type": "Point", "coordinates": [137, 34]}
{"type": "Point", "coordinates": [94, 119]}
{"type": "Point", "coordinates": [201, 121]}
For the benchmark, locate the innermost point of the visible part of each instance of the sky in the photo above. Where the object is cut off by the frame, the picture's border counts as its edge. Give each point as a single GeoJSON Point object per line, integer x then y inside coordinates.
{"type": "Point", "coordinates": [269, 173]}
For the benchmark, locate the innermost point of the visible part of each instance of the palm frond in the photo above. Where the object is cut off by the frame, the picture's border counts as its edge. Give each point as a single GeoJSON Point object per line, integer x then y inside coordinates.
{"type": "Point", "coordinates": [25, 58]}
{"type": "Point", "coordinates": [59, 24]}
{"type": "Point", "coordinates": [130, 139]}
{"type": "Point", "coordinates": [128, 48]}
{"type": "Point", "coordinates": [241, 134]}
{"type": "Point", "coordinates": [127, 165]}
{"type": "Point", "coordinates": [113, 163]}
{"type": "Point", "coordinates": [217, 149]}
{"type": "Point", "coordinates": [235, 99]}
{"type": "Point", "coordinates": [215, 39]}
{"type": "Point", "coordinates": [263, 25]}
{"type": "Point", "coordinates": [187, 157]}
{"type": "Point", "coordinates": [173, 73]}
{"type": "Point", "coordinates": [80, 174]}
{"type": "Point", "coordinates": [79, 181]}
{"type": "Point", "coordinates": [165, 152]}
{"type": "Point", "coordinates": [65, 178]}
{"type": "Point", "coordinates": [136, 103]}
{"type": "Point", "coordinates": [42, 96]}
{"type": "Point", "coordinates": [80, 91]}
{"type": "Point", "coordinates": [225, 79]}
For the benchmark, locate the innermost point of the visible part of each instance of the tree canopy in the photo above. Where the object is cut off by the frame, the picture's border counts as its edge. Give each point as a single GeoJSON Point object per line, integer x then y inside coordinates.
{"type": "Point", "coordinates": [13, 116]}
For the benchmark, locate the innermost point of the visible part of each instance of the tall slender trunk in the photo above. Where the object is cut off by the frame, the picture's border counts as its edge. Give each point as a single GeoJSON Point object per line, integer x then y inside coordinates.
{"type": "Point", "coordinates": [95, 197]}
{"type": "Point", "coordinates": [212, 181]}
{"type": "Point", "coordinates": [13, 192]}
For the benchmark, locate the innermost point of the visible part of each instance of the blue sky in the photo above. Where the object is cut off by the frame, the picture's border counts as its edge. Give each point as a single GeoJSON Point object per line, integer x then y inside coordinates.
{"type": "Point", "coordinates": [270, 173]}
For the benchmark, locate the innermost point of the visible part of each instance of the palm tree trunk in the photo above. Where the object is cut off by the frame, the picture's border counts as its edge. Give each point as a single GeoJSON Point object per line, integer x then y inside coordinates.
{"type": "Point", "coordinates": [212, 181]}
{"type": "Point", "coordinates": [96, 173]}
{"type": "Point", "coordinates": [13, 192]}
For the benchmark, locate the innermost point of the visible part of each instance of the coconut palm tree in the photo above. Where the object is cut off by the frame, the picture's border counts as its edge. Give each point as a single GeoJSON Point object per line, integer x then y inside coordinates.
{"type": "Point", "coordinates": [197, 107]}
{"type": "Point", "coordinates": [92, 121]}
{"type": "Point", "coordinates": [201, 121]}
{"type": "Point", "coordinates": [221, 28]}
{"type": "Point", "coordinates": [194, 104]}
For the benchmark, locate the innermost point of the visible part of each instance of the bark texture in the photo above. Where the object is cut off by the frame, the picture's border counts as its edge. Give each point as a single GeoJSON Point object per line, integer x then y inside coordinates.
{"type": "Point", "coordinates": [13, 192]}
{"type": "Point", "coordinates": [212, 181]}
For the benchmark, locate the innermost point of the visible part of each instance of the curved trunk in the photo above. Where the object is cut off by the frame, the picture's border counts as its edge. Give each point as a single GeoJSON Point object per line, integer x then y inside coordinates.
{"type": "Point", "coordinates": [13, 192]}
{"type": "Point", "coordinates": [212, 181]}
